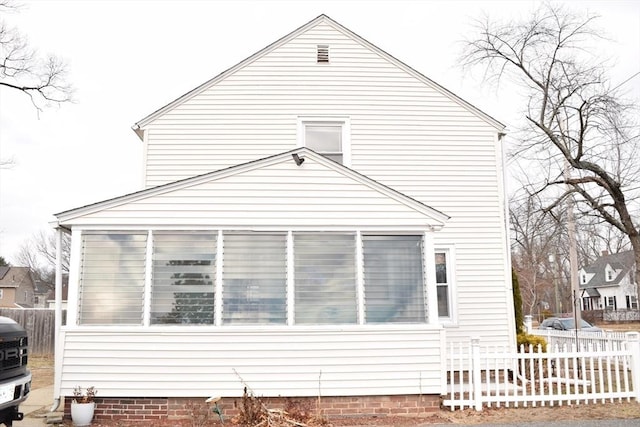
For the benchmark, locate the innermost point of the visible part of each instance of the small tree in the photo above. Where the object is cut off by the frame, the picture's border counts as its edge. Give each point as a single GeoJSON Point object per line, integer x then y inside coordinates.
{"type": "Point", "coordinates": [39, 254]}
{"type": "Point", "coordinates": [517, 302]}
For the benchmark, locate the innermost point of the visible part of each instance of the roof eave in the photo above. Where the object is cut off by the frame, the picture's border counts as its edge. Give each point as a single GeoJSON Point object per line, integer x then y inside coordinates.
{"type": "Point", "coordinates": [138, 127]}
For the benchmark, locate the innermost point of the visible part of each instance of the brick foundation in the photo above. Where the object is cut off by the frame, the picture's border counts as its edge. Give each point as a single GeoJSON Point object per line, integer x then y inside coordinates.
{"type": "Point", "coordinates": [162, 408]}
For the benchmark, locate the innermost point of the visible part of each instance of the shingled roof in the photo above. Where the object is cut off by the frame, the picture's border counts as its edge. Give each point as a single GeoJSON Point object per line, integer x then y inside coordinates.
{"type": "Point", "coordinates": [621, 261]}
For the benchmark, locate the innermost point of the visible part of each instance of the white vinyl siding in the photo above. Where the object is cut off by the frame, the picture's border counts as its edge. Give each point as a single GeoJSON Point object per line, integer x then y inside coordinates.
{"type": "Point", "coordinates": [276, 194]}
{"type": "Point", "coordinates": [183, 278]}
{"type": "Point", "coordinates": [404, 133]}
{"type": "Point", "coordinates": [252, 113]}
{"type": "Point", "coordinates": [394, 289]}
{"type": "Point", "coordinates": [325, 278]}
{"type": "Point", "coordinates": [201, 362]}
{"type": "Point", "coordinates": [255, 279]}
{"type": "Point", "coordinates": [112, 278]}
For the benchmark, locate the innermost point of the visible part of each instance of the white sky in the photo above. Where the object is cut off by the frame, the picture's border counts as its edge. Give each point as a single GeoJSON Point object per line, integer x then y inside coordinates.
{"type": "Point", "coordinates": [129, 58]}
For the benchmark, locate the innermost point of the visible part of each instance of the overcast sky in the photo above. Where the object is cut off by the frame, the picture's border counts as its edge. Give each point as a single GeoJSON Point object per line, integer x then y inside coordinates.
{"type": "Point", "coordinates": [129, 58]}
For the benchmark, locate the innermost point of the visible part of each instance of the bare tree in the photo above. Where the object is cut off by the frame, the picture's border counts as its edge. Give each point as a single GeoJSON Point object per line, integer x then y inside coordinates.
{"type": "Point", "coordinates": [42, 79]}
{"type": "Point", "coordinates": [536, 235]}
{"type": "Point", "coordinates": [578, 129]}
{"type": "Point", "coordinates": [39, 254]}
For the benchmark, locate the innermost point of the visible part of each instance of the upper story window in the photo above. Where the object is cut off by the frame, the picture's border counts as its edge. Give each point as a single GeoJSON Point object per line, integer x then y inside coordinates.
{"type": "Point", "coordinates": [610, 273]}
{"type": "Point", "coordinates": [329, 136]}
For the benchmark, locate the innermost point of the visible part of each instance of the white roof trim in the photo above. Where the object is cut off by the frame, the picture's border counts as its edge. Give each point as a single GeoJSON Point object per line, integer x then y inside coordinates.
{"type": "Point", "coordinates": [138, 127]}
{"type": "Point", "coordinates": [438, 217]}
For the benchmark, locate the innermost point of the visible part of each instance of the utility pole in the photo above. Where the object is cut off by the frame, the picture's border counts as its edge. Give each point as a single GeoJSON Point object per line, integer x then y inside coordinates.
{"type": "Point", "coordinates": [573, 258]}
{"type": "Point", "coordinates": [571, 230]}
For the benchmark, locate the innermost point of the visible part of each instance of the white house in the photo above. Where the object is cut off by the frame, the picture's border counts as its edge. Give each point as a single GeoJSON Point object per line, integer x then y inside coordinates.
{"type": "Point", "coordinates": [609, 283]}
{"type": "Point", "coordinates": [318, 219]}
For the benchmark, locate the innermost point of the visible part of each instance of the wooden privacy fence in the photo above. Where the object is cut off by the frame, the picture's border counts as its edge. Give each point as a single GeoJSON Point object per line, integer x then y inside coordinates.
{"type": "Point", "coordinates": [39, 324]}
{"type": "Point", "coordinates": [564, 375]}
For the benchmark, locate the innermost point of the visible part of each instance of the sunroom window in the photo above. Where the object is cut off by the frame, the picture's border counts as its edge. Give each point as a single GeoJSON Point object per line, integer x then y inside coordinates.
{"type": "Point", "coordinates": [255, 279]}
{"type": "Point", "coordinates": [325, 278]}
{"type": "Point", "coordinates": [393, 279]}
{"type": "Point", "coordinates": [112, 277]}
{"type": "Point", "coordinates": [183, 278]}
{"type": "Point", "coordinates": [258, 278]}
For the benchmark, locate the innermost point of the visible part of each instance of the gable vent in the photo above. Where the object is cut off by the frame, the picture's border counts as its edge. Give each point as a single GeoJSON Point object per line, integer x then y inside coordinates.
{"type": "Point", "coordinates": [323, 53]}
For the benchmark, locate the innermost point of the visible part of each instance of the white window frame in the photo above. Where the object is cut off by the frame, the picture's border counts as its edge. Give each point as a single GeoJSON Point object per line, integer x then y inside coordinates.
{"type": "Point", "coordinates": [450, 252]}
{"type": "Point", "coordinates": [610, 274]}
{"type": "Point", "coordinates": [429, 249]}
{"type": "Point", "coordinates": [344, 122]}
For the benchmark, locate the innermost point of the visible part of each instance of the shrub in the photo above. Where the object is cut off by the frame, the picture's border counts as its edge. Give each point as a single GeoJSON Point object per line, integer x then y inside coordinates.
{"type": "Point", "coordinates": [526, 340]}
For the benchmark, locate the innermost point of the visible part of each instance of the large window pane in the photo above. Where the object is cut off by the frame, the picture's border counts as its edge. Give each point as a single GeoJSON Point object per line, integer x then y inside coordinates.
{"type": "Point", "coordinates": [393, 279]}
{"type": "Point", "coordinates": [183, 278]}
{"type": "Point", "coordinates": [112, 278]}
{"type": "Point", "coordinates": [442, 281]}
{"type": "Point", "coordinates": [325, 138]}
{"type": "Point", "coordinates": [255, 279]}
{"type": "Point", "coordinates": [325, 278]}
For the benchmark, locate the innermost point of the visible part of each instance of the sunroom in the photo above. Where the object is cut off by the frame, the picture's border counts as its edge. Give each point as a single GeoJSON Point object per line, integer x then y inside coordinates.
{"type": "Point", "coordinates": [270, 273]}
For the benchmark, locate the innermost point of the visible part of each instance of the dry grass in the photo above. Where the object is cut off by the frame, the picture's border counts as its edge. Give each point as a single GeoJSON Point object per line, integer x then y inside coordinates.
{"type": "Point", "coordinates": [620, 327]}
{"type": "Point", "coordinates": [41, 371]}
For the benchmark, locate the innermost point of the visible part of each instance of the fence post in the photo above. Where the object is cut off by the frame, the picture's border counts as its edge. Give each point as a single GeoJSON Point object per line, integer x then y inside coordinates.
{"type": "Point", "coordinates": [528, 323]}
{"type": "Point", "coordinates": [633, 339]}
{"type": "Point", "coordinates": [475, 373]}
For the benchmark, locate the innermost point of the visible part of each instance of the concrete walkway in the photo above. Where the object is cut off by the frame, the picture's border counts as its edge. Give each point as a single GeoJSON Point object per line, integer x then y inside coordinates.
{"type": "Point", "coordinates": [37, 405]}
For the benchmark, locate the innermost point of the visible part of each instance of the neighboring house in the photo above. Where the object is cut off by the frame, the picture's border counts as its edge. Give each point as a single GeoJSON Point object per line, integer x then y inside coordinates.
{"type": "Point", "coordinates": [45, 295]}
{"type": "Point", "coordinates": [609, 283]}
{"type": "Point", "coordinates": [41, 291]}
{"type": "Point", "coordinates": [318, 219]}
{"type": "Point", "coordinates": [16, 287]}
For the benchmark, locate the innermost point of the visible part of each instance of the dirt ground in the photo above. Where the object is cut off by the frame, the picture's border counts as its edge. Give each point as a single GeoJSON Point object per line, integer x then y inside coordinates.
{"type": "Point", "coordinates": [42, 372]}
{"type": "Point", "coordinates": [625, 410]}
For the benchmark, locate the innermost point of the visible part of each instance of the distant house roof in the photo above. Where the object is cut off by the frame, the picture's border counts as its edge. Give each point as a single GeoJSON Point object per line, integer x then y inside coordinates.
{"type": "Point", "coordinates": [591, 292]}
{"type": "Point", "coordinates": [623, 261]}
{"type": "Point", "coordinates": [13, 277]}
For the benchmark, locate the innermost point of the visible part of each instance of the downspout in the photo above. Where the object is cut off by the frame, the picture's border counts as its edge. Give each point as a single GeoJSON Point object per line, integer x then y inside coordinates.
{"type": "Point", "coordinates": [507, 238]}
{"type": "Point", "coordinates": [58, 314]}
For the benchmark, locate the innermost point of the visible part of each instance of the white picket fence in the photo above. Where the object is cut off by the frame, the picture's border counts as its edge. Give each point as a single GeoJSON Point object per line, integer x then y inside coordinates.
{"type": "Point", "coordinates": [479, 376]}
{"type": "Point", "coordinates": [603, 340]}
